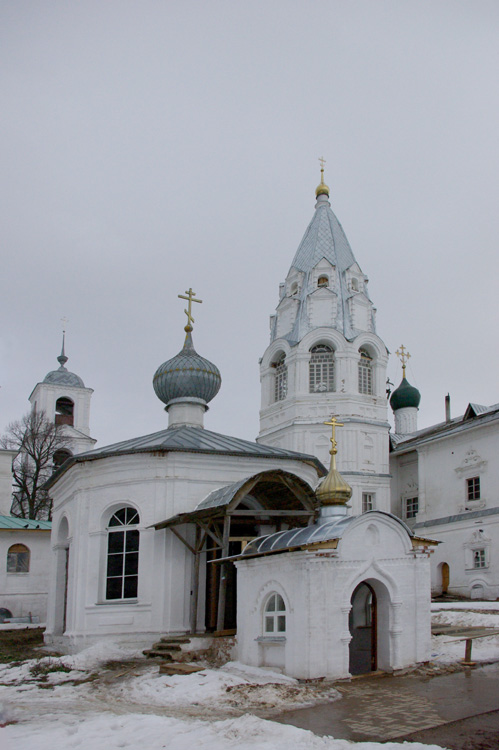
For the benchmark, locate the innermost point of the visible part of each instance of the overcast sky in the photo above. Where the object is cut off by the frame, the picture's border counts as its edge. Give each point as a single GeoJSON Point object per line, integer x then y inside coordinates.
{"type": "Point", "coordinates": [153, 146]}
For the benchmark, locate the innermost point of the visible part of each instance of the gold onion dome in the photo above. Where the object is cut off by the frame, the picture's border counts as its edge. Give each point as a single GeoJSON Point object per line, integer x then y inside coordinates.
{"type": "Point", "coordinates": [333, 490]}
{"type": "Point", "coordinates": [322, 189]}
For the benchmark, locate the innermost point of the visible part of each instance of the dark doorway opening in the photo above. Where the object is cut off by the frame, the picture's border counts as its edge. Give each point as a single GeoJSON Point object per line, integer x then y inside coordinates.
{"type": "Point", "coordinates": [362, 623]}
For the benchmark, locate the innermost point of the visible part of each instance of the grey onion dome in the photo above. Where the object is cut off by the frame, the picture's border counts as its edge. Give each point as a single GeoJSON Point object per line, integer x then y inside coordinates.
{"type": "Point", "coordinates": [187, 375]}
{"type": "Point", "coordinates": [404, 396]}
{"type": "Point", "coordinates": [62, 376]}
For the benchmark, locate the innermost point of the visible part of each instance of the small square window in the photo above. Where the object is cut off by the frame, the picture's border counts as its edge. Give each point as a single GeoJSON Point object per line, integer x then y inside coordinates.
{"type": "Point", "coordinates": [473, 488]}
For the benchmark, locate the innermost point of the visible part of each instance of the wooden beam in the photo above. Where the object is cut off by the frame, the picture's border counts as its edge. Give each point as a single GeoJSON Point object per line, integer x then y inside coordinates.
{"type": "Point", "coordinates": [195, 584]}
{"type": "Point", "coordinates": [174, 531]}
{"type": "Point", "coordinates": [223, 576]}
{"type": "Point", "coordinates": [218, 540]}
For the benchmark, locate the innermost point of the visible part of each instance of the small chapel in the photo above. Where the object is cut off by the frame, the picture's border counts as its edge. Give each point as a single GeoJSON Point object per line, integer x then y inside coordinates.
{"type": "Point", "coordinates": [188, 531]}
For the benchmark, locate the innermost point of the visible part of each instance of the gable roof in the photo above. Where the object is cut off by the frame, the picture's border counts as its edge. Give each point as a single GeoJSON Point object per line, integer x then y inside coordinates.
{"type": "Point", "coordinates": [475, 415]}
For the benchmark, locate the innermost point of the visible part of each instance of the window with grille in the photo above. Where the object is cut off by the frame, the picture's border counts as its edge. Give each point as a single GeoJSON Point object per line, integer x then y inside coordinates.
{"type": "Point", "coordinates": [365, 373]}
{"type": "Point", "coordinates": [281, 379]}
{"type": "Point", "coordinates": [473, 488]}
{"type": "Point", "coordinates": [274, 616]}
{"type": "Point", "coordinates": [411, 507]}
{"type": "Point", "coordinates": [123, 555]}
{"type": "Point", "coordinates": [321, 369]}
{"type": "Point", "coordinates": [367, 501]}
{"type": "Point", "coordinates": [18, 559]}
{"type": "Point", "coordinates": [479, 558]}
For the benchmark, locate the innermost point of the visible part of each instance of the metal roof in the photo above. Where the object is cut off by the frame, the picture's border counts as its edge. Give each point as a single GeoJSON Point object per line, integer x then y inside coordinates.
{"type": "Point", "coordinates": [188, 440]}
{"type": "Point", "coordinates": [324, 238]}
{"type": "Point", "coordinates": [473, 416]}
{"type": "Point", "coordinates": [10, 522]}
{"type": "Point", "coordinates": [290, 539]}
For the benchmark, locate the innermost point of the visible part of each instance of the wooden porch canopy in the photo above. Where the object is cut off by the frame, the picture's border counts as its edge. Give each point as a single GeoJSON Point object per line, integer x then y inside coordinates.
{"type": "Point", "coordinates": [273, 497]}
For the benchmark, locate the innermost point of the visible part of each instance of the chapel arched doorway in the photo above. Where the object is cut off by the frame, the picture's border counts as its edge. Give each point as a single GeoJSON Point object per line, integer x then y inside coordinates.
{"type": "Point", "coordinates": [362, 623]}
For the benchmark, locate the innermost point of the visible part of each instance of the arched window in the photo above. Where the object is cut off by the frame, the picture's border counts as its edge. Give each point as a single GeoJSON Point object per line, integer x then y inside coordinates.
{"type": "Point", "coordinates": [18, 559]}
{"type": "Point", "coordinates": [354, 285]}
{"type": "Point", "coordinates": [281, 378]}
{"type": "Point", "coordinates": [123, 555]}
{"type": "Point", "coordinates": [365, 372]}
{"type": "Point", "coordinates": [323, 281]}
{"type": "Point", "coordinates": [274, 618]}
{"type": "Point", "coordinates": [321, 369]}
{"type": "Point", "coordinates": [294, 288]}
{"type": "Point", "coordinates": [64, 409]}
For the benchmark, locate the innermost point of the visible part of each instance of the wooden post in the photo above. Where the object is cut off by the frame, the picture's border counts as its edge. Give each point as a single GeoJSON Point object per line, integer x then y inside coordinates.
{"type": "Point", "coordinates": [223, 576]}
{"type": "Point", "coordinates": [467, 652]}
{"type": "Point", "coordinates": [195, 583]}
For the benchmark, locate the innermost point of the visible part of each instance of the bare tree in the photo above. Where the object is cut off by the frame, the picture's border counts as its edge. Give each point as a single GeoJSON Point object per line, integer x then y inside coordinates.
{"type": "Point", "coordinates": [36, 439]}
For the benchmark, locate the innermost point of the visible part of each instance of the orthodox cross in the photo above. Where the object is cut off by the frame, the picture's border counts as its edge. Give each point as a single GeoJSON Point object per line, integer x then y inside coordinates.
{"type": "Point", "coordinates": [334, 424]}
{"type": "Point", "coordinates": [404, 356]}
{"type": "Point", "coordinates": [322, 161]}
{"type": "Point", "coordinates": [64, 321]}
{"type": "Point", "coordinates": [190, 297]}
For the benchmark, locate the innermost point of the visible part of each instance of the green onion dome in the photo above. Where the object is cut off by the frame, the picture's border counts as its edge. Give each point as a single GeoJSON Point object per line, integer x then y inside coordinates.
{"type": "Point", "coordinates": [187, 375]}
{"type": "Point", "coordinates": [405, 396]}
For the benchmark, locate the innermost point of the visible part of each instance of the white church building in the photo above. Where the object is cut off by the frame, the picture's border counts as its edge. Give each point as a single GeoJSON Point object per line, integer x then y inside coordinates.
{"type": "Point", "coordinates": [145, 531]}
{"type": "Point", "coordinates": [318, 574]}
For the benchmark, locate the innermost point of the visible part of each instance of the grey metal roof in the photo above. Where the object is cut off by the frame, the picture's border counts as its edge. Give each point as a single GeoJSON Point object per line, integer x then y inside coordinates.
{"type": "Point", "coordinates": [293, 538]}
{"type": "Point", "coordinates": [222, 496]}
{"type": "Point", "coordinates": [473, 416]}
{"type": "Point", "coordinates": [10, 522]}
{"type": "Point", "coordinates": [458, 517]}
{"type": "Point", "coordinates": [324, 238]}
{"type": "Point", "coordinates": [62, 376]}
{"type": "Point", "coordinates": [188, 440]}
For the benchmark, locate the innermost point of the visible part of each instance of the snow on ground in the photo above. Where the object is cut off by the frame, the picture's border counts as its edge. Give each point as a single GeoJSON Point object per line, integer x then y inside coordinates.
{"type": "Point", "coordinates": [76, 701]}
{"type": "Point", "coordinates": [102, 732]}
{"type": "Point", "coordinates": [447, 649]}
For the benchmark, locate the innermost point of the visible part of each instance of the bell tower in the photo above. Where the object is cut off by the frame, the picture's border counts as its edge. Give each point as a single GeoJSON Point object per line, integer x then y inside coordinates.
{"type": "Point", "coordinates": [63, 397]}
{"type": "Point", "coordinates": [325, 358]}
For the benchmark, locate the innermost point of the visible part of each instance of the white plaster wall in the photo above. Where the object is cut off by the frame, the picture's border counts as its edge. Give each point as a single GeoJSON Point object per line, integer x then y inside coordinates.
{"type": "Point", "coordinates": [317, 588]}
{"type": "Point", "coordinates": [6, 458]}
{"type": "Point", "coordinates": [25, 593]}
{"type": "Point", "coordinates": [158, 486]}
{"type": "Point", "coordinates": [438, 470]}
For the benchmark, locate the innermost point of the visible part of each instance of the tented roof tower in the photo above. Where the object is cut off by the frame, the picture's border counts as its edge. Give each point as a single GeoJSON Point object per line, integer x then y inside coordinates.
{"type": "Point", "coordinates": [325, 358]}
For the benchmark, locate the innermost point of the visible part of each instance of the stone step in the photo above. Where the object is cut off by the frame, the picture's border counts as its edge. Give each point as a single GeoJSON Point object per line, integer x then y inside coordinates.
{"type": "Point", "coordinates": [156, 653]}
{"type": "Point", "coordinates": [174, 639]}
{"type": "Point", "coordinates": [179, 668]}
{"type": "Point", "coordinates": [163, 645]}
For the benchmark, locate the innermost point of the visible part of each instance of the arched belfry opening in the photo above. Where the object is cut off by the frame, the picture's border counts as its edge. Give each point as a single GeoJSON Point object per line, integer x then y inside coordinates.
{"type": "Point", "coordinates": [64, 411]}
{"type": "Point", "coordinates": [222, 524]}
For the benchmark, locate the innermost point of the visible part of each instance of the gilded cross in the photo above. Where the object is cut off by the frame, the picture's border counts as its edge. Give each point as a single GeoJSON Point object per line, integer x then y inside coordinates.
{"type": "Point", "coordinates": [190, 297]}
{"type": "Point", "coordinates": [334, 424]}
{"type": "Point", "coordinates": [322, 161]}
{"type": "Point", "coordinates": [404, 356]}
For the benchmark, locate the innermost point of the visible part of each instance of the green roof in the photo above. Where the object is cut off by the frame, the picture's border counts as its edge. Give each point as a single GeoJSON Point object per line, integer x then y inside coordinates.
{"type": "Point", "coordinates": [11, 522]}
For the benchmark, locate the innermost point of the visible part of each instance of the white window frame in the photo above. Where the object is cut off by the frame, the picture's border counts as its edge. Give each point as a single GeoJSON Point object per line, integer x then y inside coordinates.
{"type": "Point", "coordinates": [280, 379]}
{"type": "Point", "coordinates": [368, 501]}
{"type": "Point", "coordinates": [365, 373]}
{"type": "Point", "coordinates": [274, 616]}
{"type": "Point", "coordinates": [321, 369]}
{"type": "Point", "coordinates": [411, 507]}
{"type": "Point", "coordinates": [130, 532]}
